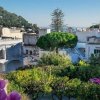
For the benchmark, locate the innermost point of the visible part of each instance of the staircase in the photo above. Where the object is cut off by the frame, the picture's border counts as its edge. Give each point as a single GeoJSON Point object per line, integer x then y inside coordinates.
{"type": "Point", "coordinates": [75, 54]}
{"type": "Point", "coordinates": [80, 54]}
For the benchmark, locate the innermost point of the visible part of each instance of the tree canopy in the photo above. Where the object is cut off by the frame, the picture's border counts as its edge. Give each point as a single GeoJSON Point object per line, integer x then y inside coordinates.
{"type": "Point", "coordinates": [55, 40]}
{"type": "Point", "coordinates": [57, 20]}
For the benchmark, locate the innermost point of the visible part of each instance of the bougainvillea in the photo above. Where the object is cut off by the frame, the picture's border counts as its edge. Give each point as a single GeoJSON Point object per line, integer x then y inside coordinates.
{"type": "Point", "coordinates": [95, 80]}
{"type": "Point", "coordinates": [3, 95]}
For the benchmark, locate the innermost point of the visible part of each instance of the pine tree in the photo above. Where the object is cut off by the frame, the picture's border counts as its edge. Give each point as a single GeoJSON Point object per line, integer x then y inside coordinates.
{"type": "Point", "coordinates": [57, 20]}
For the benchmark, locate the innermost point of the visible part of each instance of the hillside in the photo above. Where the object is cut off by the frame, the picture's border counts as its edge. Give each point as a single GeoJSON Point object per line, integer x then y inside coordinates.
{"type": "Point", "coordinates": [8, 19]}
{"type": "Point", "coordinates": [95, 26]}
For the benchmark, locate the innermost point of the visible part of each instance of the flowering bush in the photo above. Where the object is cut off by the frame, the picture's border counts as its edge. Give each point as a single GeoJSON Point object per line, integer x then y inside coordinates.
{"type": "Point", "coordinates": [46, 81]}
{"type": "Point", "coordinates": [95, 80]}
{"type": "Point", "coordinates": [3, 95]}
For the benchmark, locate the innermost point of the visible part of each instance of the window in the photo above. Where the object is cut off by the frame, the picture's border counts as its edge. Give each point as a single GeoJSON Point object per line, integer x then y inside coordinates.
{"type": "Point", "coordinates": [2, 54]}
{"type": "Point", "coordinates": [96, 51]}
{"type": "Point", "coordinates": [30, 52]}
{"type": "Point", "coordinates": [26, 51]}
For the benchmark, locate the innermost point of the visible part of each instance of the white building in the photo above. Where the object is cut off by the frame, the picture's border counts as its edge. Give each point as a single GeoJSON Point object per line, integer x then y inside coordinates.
{"type": "Point", "coordinates": [83, 35]}
{"type": "Point", "coordinates": [92, 46]}
{"type": "Point", "coordinates": [13, 33]}
{"type": "Point", "coordinates": [30, 50]}
{"type": "Point", "coordinates": [44, 31]}
{"type": "Point", "coordinates": [88, 42]}
{"type": "Point", "coordinates": [10, 49]}
{"type": "Point", "coordinates": [31, 53]}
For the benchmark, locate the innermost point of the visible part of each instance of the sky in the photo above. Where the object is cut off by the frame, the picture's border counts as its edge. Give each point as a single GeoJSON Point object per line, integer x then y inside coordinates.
{"type": "Point", "coordinates": [79, 13]}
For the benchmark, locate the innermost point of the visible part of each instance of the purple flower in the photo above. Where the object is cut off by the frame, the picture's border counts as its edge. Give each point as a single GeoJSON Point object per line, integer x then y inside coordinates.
{"type": "Point", "coordinates": [3, 95]}
{"type": "Point", "coordinates": [14, 96]}
{"type": "Point", "coordinates": [95, 80]}
{"type": "Point", "coordinates": [2, 84]}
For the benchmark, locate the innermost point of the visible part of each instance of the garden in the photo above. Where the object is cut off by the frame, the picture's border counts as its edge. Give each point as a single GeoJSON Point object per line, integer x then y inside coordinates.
{"type": "Point", "coordinates": [56, 78]}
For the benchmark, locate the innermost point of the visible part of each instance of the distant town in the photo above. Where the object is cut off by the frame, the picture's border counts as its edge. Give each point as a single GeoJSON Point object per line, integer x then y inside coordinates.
{"type": "Point", "coordinates": [18, 46]}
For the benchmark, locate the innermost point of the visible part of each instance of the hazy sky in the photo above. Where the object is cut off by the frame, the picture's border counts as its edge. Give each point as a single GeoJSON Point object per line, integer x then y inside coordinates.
{"type": "Point", "coordinates": [77, 12]}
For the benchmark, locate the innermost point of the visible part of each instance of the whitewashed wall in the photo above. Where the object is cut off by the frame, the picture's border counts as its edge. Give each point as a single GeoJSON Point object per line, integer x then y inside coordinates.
{"type": "Point", "coordinates": [29, 38]}
{"type": "Point", "coordinates": [44, 32]}
{"type": "Point", "coordinates": [82, 36]}
{"type": "Point", "coordinates": [90, 49]}
{"type": "Point", "coordinates": [6, 32]}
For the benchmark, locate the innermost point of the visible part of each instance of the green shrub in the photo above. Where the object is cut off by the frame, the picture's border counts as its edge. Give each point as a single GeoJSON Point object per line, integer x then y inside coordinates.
{"type": "Point", "coordinates": [82, 63]}
{"type": "Point", "coordinates": [71, 88]}
{"type": "Point", "coordinates": [54, 80]}
{"type": "Point", "coordinates": [85, 73]}
{"type": "Point", "coordinates": [25, 97]}
{"type": "Point", "coordinates": [95, 59]}
{"type": "Point", "coordinates": [55, 59]}
{"type": "Point", "coordinates": [59, 86]}
{"type": "Point", "coordinates": [62, 86]}
{"type": "Point", "coordinates": [34, 82]}
{"type": "Point", "coordinates": [13, 86]}
{"type": "Point", "coordinates": [82, 73]}
{"type": "Point", "coordinates": [88, 91]}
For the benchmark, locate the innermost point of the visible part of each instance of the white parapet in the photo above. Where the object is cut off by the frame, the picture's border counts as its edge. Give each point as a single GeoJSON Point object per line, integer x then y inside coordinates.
{"type": "Point", "coordinates": [9, 42]}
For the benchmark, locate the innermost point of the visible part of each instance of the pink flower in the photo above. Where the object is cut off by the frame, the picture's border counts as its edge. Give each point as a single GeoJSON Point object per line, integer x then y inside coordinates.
{"type": "Point", "coordinates": [95, 80]}
{"type": "Point", "coordinates": [14, 96]}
